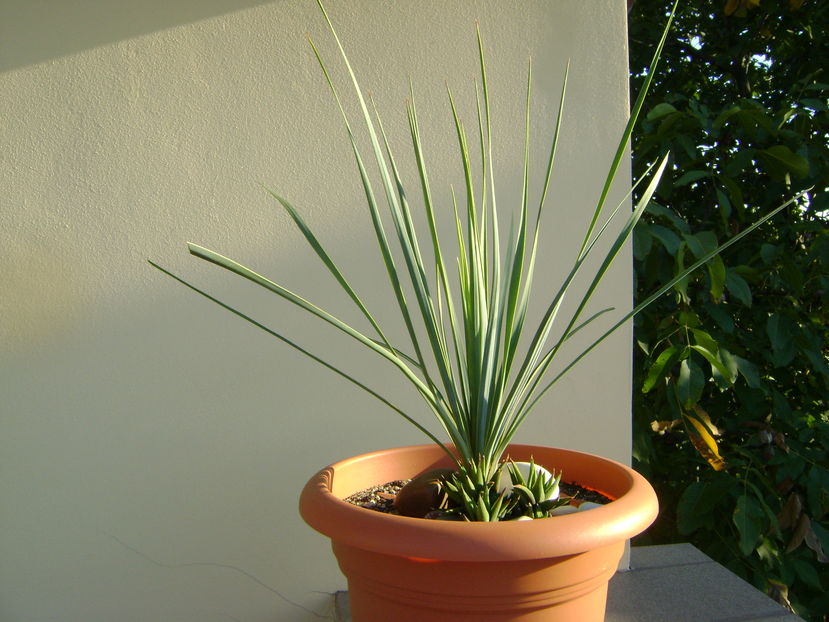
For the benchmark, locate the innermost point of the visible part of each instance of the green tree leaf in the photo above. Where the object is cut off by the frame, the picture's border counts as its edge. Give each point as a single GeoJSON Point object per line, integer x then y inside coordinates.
{"type": "Point", "coordinates": [769, 253]}
{"type": "Point", "coordinates": [690, 383]}
{"type": "Point", "coordinates": [716, 275]}
{"type": "Point", "coordinates": [748, 519]}
{"type": "Point", "coordinates": [731, 362]}
{"type": "Point", "coordinates": [735, 192]}
{"type": "Point", "coordinates": [779, 160]}
{"type": "Point", "coordinates": [690, 177]}
{"type": "Point", "coordinates": [781, 332]}
{"type": "Point", "coordinates": [642, 242]}
{"type": "Point", "coordinates": [738, 287]}
{"type": "Point", "coordinates": [716, 363]}
{"type": "Point", "coordinates": [668, 214]}
{"type": "Point", "coordinates": [657, 371]}
{"type": "Point", "coordinates": [698, 504]}
{"type": "Point", "coordinates": [821, 536]}
{"type": "Point", "coordinates": [807, 573]}
{"type": "Point", "coordinates": [693, 510]}
{"type": "Point", "coordinates": [725, 204]}
{"type": "Point", "coordinates": [721, 316]}
{"type": "Point", "coordinates": [660, 110]}
{"type": "Point", "coordinates": [701, 243]}
{"type": "Point", "coordinates": [817, 491]}
{"type": "Point", "coordinates": [668, 238]}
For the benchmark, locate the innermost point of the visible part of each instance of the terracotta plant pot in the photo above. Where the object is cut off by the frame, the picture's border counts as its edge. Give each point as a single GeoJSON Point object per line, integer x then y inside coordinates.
{"type": "Point", "coordinates": [402, 569]}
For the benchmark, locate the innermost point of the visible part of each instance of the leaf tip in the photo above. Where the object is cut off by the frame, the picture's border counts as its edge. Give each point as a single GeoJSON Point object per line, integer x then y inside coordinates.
{"type": "Point", "coordinates": [194, 248]}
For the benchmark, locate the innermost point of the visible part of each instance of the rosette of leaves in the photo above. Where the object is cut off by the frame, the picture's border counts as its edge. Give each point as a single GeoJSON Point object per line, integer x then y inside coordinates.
{"type": "Point", "coordinates": [537, 494]}
{"type": "Point", "coordinates": [534, 495]}
{"type": "Point", "coordinates": [472, 496]}
{"type": "Point", "coordinates": [481, 367]}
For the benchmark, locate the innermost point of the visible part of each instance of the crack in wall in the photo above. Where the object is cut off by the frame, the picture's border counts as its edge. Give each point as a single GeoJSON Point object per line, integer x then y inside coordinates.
{"type": "Point", "coordinates": [237, 569]}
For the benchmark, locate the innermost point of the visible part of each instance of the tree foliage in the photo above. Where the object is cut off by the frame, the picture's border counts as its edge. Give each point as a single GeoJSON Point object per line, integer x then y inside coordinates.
{"type": "Point", "coordinates": [732, 380]}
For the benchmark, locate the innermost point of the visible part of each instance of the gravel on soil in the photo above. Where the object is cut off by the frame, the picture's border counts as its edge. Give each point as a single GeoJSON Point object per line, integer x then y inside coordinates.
{"type": "Point", "coordinates": [380, 498]}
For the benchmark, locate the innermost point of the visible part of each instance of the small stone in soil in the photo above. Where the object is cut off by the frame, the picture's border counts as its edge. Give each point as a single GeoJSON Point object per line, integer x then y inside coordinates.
{"type": "Point", "coordinates": [378, 498]}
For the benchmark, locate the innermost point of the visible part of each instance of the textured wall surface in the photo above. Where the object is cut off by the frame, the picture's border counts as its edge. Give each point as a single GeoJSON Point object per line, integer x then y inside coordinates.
{"type": "Point", "coordinates": [152, 446]}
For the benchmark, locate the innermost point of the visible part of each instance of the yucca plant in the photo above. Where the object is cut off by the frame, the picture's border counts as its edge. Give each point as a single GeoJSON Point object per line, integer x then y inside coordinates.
{"type": "Point", "coordinates": [481, 368]}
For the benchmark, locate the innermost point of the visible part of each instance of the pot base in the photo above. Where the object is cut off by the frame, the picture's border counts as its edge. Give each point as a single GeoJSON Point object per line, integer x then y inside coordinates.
{"type": "Point", "coordinates": [385, 587]}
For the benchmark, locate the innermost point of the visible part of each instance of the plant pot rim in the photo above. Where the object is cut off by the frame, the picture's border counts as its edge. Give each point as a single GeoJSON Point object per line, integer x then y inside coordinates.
{"type": "Point", "coordinates": [634, 508]}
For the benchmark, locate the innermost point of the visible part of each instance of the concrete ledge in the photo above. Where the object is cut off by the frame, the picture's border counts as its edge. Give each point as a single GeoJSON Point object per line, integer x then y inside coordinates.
{"type": "Point", "coordinates": [675, 582]}
{"type": "Point", "coordinates": [678, 582]}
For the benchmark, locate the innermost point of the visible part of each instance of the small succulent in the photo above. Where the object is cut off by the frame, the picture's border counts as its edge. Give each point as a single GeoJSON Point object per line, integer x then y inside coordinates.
{"type": "Point", "coordinates": [475, 497]}
{"type": "Point", "coordinates": [520, 490]}
{"type": "Point", "coordinates": [536, 492]}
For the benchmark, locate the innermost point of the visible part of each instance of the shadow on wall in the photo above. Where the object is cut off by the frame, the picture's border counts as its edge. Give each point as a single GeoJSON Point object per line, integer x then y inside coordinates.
{"type": "Point", "coordinates": [33, 32]}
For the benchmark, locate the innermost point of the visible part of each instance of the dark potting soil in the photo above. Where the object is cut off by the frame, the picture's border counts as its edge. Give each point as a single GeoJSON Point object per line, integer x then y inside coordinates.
{"type": "Point", "coordinates": [380, 498]}
{"type": "Point", "coordinates": [583, 494]}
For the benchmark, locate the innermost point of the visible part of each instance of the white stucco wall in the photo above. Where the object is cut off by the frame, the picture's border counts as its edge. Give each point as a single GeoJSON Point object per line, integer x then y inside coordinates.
{"type": "Point", "coordinates": [152, 446]}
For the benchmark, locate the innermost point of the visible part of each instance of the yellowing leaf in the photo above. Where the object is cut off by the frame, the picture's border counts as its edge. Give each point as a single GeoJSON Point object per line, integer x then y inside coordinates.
{"type": "Point", "coordinates": [779, 591]}
{"type": "Point", "coordinates": [794, 5]}
{"type": "Point", "coordinates": [705, 444]}
{"type": "Point", "coordinates": [706, 419]}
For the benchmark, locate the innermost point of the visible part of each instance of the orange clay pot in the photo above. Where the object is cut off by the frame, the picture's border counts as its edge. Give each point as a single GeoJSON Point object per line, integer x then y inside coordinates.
{"type": "Point", "coordinates": [402, 569]}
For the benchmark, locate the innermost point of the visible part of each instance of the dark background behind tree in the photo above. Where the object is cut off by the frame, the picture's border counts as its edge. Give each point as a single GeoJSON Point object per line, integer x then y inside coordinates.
{"type": "Point", "coordinates": [732, 380]}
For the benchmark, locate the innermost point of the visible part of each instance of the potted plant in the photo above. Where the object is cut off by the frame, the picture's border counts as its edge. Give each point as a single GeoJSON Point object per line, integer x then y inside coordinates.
{"type": "Point", "coordinates": [500, 552]}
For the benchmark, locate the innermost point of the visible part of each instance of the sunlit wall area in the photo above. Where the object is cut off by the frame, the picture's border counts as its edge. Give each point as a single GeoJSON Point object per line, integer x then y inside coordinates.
{"type": "Point", "coordinates": [152, 445]}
